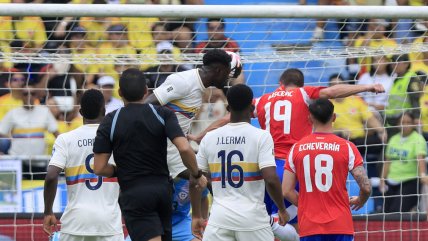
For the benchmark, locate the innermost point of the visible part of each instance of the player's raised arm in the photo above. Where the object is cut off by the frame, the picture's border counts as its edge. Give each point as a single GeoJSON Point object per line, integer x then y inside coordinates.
{"type": "Point", "coordinates": [360, 176]}
{"type": "Point", "coordinates": [345, 90]}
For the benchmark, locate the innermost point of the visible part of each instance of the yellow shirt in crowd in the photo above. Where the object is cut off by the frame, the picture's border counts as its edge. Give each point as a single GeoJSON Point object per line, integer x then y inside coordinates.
{"type": "Point", "coordinates": [7, 103]}
{"type": "Point", "coordinates": [139, 31]}
{"type": "Point", "coordinates": [63, 127]}
{"type": "Point", "coordinates": [375, 44]}
{"type": "Point", "coordinates": [6, 63]}
{"type": "Point", "coordinates": [84, 61]}
{"type": "Point", "coordinates": [96, 29]}
{"type": "Point", "coordinates": [351, 115]}
{"type": "Point", "coordinates": [419, 65]}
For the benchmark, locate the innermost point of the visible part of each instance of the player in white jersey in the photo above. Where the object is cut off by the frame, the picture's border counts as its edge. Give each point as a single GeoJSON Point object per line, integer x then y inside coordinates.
{"type": "Point", "coordinates": [182, 92]}
{"type": "Point", "coordinates": [92, 211]}
{"type": "Point", "coordinates": [241, 162]}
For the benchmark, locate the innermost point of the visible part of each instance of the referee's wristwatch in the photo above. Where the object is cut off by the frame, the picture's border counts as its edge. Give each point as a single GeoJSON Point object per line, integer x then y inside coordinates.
{"type": "Point", "coordinates": [198, 175]}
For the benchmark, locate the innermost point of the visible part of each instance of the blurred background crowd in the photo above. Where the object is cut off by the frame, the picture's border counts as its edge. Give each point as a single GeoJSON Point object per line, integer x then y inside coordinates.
{"type": "Point", "coordinates": [40, 100]}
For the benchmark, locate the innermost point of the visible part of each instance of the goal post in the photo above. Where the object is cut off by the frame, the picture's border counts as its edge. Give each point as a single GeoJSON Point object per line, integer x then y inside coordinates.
{"type": "Point", "coordinates": [62, 49]}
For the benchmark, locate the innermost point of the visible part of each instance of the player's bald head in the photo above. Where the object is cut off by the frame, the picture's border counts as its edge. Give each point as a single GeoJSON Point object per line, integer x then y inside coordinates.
{"type": "Point", "coordinates": [322, 110]}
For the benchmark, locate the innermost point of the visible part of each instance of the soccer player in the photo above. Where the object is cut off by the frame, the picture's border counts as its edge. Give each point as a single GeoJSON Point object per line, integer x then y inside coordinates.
{"type": "Point", "coordinates": [284, 113]}
{"type": "Point", "coordinates": [241, 162]}
{"type": "Point", "coordinates": [92, 211]}
{"type": "Point", "coordinates": [320, 162]}
{"type": "Point", "coordinates": [137, 136]}
{"type": "Point", "coordinates": [182, 93]}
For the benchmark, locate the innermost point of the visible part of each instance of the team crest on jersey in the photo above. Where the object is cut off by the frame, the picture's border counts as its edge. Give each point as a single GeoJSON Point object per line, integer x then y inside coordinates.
{"type": "Point", "coordinates": [183, 195]}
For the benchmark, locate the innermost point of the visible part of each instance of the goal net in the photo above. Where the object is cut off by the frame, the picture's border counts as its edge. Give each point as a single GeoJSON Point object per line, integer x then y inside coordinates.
{"type": "Point", "coordinates": [49, 54]}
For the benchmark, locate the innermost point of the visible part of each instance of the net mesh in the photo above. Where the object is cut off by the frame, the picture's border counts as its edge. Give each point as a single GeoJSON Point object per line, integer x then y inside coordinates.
{"type": "Point", "coordinates": [55, 59]}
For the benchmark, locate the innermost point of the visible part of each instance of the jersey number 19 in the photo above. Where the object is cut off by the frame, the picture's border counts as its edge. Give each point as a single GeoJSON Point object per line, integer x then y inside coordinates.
{"type": "Point", "coordinates": [285, 117]}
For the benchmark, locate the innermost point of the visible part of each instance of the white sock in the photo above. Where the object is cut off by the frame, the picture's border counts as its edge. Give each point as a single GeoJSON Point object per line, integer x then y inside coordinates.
{"type": "Point", "coordinates": [284, 233]}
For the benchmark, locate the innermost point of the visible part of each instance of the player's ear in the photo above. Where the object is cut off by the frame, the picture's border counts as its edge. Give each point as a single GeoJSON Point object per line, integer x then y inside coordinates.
{"type": "Point", "coordinates": [228, 108]}
{"type": "Point", "coordinates": [334, 117]}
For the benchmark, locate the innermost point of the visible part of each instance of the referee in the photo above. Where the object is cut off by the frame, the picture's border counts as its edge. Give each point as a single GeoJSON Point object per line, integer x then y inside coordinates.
{"type": "Point", "coordinates": [137, 136]}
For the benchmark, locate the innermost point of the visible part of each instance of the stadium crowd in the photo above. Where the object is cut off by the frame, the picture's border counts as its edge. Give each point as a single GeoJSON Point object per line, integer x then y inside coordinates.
{"type": "Point", "coordinates": [40, 101]}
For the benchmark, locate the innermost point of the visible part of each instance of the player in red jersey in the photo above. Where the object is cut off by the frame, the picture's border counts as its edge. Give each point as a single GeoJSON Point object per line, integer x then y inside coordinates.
{"type": "Point", "coordinates": [320, 162]}
{"type": "Point", "coordinates": [284, 113]}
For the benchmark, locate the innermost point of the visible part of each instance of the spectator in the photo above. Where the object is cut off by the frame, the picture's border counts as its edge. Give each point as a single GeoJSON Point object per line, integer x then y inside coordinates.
{"type": "Point", "coordinates": [356, 123]}
{"type": "Point", "coordinates": [97, 29]}
{"type": "Point", "coordinates": [139, 31]}
{"type": "Point", "coordinates": [55, 78]}
{"type": "Point", "coordinates": [183, 37]}
{"type": "Point", "coordinates": [378, 74]}
{"type": "Point", "coordinates": [420, 67]}
{"type": "Point", "coordinates": [404, 168]}
{"type": "Point", "coordinates": [374, 38]}
{"type": "Point", "coordinates": [404, 93]}
{"type": "Point", "coordinates": [117, 45]}
{"type": "Point", "coordinates": [5, 51]}
{"type": "Point", "coordinates": [159, 34]}
{"type": "Point", "coordinates": [348, 28]}
{"type": "Point", "coordinates": [157, 74]}
{"type": "Point", "coordinates": [65, 111]}
{"type": "Point", "coordinates": [106, 84]}
{"type": "Point", "coordinates": [217, 38]}
{"type": "Point", "coordinates": [16, 79]}
{"type": "Point", "coordinates": [416, 55]}
{"type": "Point", "coordinates": [82, 57]}
{"type": "Point", "coordinates": [26, 126]}
{"type": "Point", "coordinates": [30, 30]}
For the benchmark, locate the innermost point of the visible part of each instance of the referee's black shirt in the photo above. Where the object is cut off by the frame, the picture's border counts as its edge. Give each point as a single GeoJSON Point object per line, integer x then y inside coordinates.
{"type": "Point", "coordinates": [139, 143]}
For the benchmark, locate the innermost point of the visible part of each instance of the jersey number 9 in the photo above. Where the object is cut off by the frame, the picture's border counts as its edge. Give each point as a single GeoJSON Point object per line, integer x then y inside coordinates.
{"type": "Point", "coordinates": [90, 170]}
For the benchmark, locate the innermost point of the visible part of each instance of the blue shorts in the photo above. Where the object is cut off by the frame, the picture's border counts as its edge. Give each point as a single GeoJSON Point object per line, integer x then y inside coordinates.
{"type": "Point", "coordinates": [328, 237]}
{"type": "Point", "coordinates": [270, 204]}
{"type": "Point", "coordinates": [181, 231]}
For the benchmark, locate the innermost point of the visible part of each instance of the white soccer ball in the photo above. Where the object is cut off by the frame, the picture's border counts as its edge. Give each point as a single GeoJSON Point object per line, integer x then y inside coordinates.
{"type": "Point", "coordinates": [235, 65]}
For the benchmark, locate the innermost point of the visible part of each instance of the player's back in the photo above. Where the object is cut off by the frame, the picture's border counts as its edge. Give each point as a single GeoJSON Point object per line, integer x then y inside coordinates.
{"type": "Point", "coordinates": [284, 113]}
{"type": "Point", "coordinates": [321, 162]}
{"type": "Point", "coordinates": [236, 153]}
{"type": "Point", "coordinates": [92, 201]}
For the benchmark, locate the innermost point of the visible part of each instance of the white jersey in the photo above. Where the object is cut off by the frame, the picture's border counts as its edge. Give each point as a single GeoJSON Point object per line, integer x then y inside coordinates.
{"type": "Point", "coordinates": [92, 201]}
{"type": "Point", "coordinates": [182, 93]}
{"type": "Point", "coordinates": [235, 154]}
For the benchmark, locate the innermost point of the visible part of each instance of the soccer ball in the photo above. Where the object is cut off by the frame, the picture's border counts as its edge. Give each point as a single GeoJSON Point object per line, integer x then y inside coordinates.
{"type": "Point", "coordinates": [235, 65]}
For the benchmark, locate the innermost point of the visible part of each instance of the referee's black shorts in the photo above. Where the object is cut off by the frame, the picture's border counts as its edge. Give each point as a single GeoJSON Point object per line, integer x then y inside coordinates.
{"type": "Point", "coordinates": [147, 208]}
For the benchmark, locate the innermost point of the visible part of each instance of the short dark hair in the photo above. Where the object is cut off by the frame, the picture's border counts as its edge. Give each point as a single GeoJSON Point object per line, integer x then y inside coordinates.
{"type": "Point", "coordinates": [216, 56]}
{"type": "Point", "coordinates": [223, 23]}
{"type": "Point", "coordinates": [322, 110]}
{"type": "Point", "coordinates": [335, 76]}
{"type": "Point", "coordinates": [132, 84]}
{"type": "Point", "coordinates": [91, 104]}
{"type": "Point", "coordinates": [239, 97]}
{"type": "Point", "coordinates": [292, 77]}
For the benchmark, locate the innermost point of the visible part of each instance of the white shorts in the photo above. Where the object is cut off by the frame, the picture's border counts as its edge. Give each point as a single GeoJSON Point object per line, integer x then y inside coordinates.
{"type": "Point", "coordinates": [175, 164]}
{"type": "Point", "coordinates": [70, 237]}
{"type": "Point", "coordinates": [220, 234]}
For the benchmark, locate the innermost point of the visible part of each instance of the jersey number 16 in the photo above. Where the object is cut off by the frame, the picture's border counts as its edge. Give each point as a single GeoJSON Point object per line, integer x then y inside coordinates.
{"type": "Point", "coordinates": [227, 168]}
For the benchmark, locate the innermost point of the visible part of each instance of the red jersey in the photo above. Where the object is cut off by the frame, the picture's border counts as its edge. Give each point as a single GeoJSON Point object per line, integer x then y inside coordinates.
{"type": "Point", "coordinates": [321, 162]}
{"type": "Point", "coordinates": [284, 113]}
